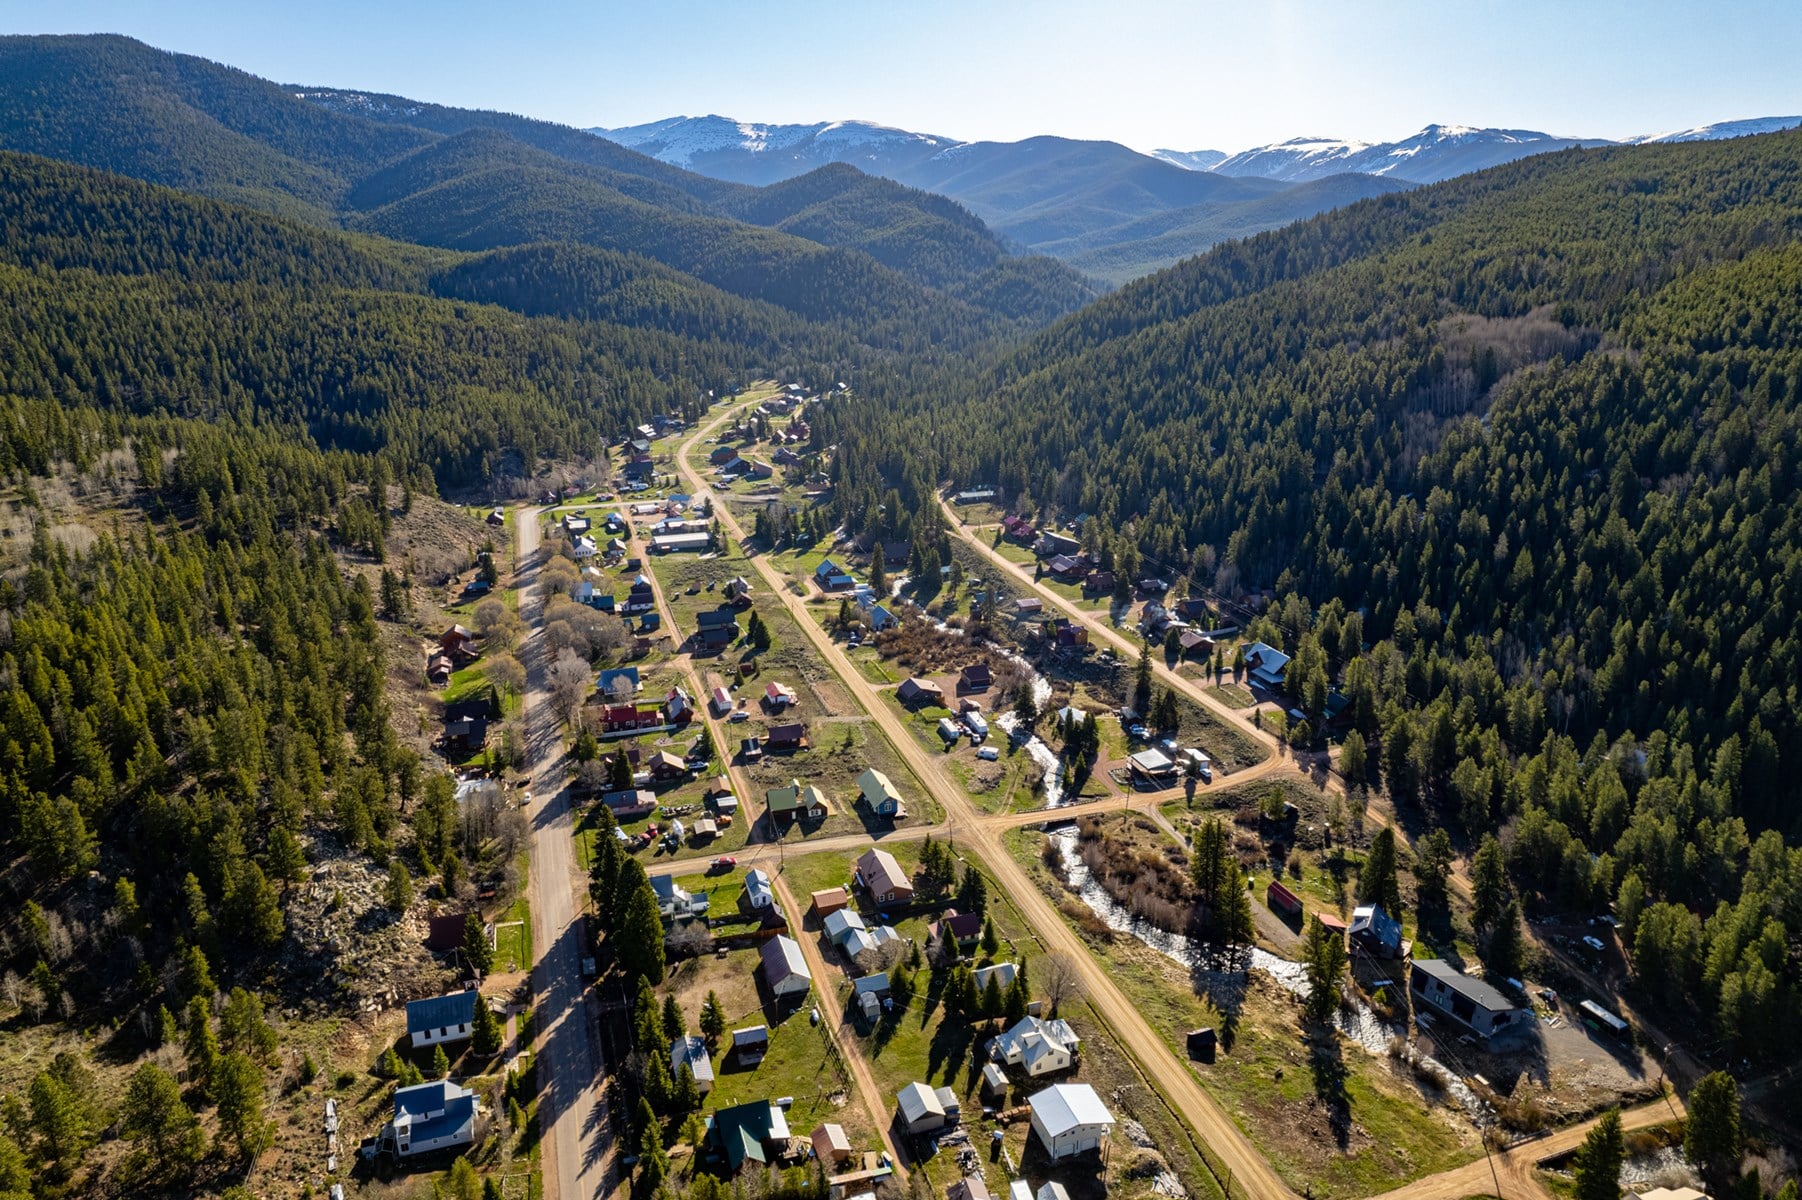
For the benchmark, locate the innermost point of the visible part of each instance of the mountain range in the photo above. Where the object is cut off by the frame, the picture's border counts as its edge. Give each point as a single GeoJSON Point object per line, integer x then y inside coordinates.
{"type": "Point", "coordinates": [1106, 209]}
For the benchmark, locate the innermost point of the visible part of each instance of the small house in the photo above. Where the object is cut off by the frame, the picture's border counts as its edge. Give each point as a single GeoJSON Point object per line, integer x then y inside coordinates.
{"type": "Point", "coordinates": [753, 1132]}
{"type": "Point", "coordinates": [880, 794]}
{"type": "Point", "coordinates": [1475, 1004]}
{"type": "Point", "coordinates": [1003, 974]}
{"type": "Point", "coordinates": [737, 590]}
{"type": "Point", "coordinates": [1375, 932]}
{"type": "Point", "coordinates": [1070, 1119]}
{"type": "Point", "coordinates": [691, 1052]}
{"type": "Point", "coordinates": [994, 1084]}
{"type": "Point", "coordinates": [881, 618]}
{"type": "Point", "coordinates": [721, 701]}
{"type": "Point", "coordinates": [881, 876]}
{"type": "Point", "coordinates": [792, 736]}
{"type": "Point", "coordinates": [672, 899]}
{"type": "Point", "coordinates": [796, 800]}
{"type": "Point", "coordinates": [458, 642]}
{"type": "Point", "coordinates": [840, 925]}
{"type": "Point", "coordinates": [1028, 608]}
{"type": "Point", "coordinates": [438, 670]}
{"type": "Point", "coordinates": [1099, 581]}
{"type": "Point", "coordinates": [785, 971]}
{"type": "Point", "coordinates": [975, 678]}
{"type": "Point", "coordinates": [631, 803]}
{"type": "Point", "coordinates": [1037, 1047]}
{"type": "Point", "coordinates": [667, 767]}
{"type": "Point", "coordinates": [964, 929]}
{"type": "Point", "coordinates": [466, 735]}
{"type": "Point", "coordinates": [1065, 567]}
{"type": "Point", "coordinates": [758, 896]}
{"type": "Point", "coordinates": [1265, 665]}
{"type": "Point", "coordinates": [778, 696]}
{"type": "Point", "coordinates": [827, 901]}
{"type": "Point", "coordinates": [618, 681]}
{"type": "Point", "coordinates": [751, 749]}
{"type": "Point", "coordinates": [919, 1109]}
{"type": "Point", "coordinates": [832, 578]}
{"type": "Point", "coordinates": [444, 932]}
{"type": "Point", "coordinates": [1051, 545]}
{"type": "Point", "coordinates": [1018, 529]}
{"type": "Point", "coordinates": [750, 1044]}
{"type": "Point", "coordinates": [919, 691]}
{"type": "Point", "coordinates": [868, 994]}
{"type": "Point", "coordinates": [441, 1019]}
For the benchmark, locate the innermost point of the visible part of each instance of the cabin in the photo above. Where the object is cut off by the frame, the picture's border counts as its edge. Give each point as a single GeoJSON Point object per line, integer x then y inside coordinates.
{"type": "Point", "coordinates": [964, 928]}
{"type": "Point", "coordinates": [1099, 581]}
{"type": "Point", "coordinates": [832, 578]}
{"type": "Point", "coordinates": [1067, 567]}
{"type": "Point", "coordinates": [974, 678]}
{"type": "Point", "coordinates": [758, 896]}
{"type": "Point", "coordinates": [1036, 1047]}
{"type": "Point", "coordinates": [880, 794]}
{"type": "Point", "coordinates": [919, 1109]}
{"type": "Point", "coordinates": [919, 691]}
{"type": "Point", "coordinates": [441, 1019]}
{"type": "Point", "coordinates": [466, 735]}
{"type": "Point", "coordinates": [784, 969]}
{"type": "Point", "coordinates": [429, 1116]}
{"type": "Point", "coordinates": [1375, 932]}
{"type": "Point", "coordinates": [1028, 608]}
{"type": "Point", "coordinates": [1069, 633]}
{"type": "Point", "coordinates": [756, 1131]}
{"type": "Point", "coordinates": [458, 642]}
{"type": "Point", "coordinates": [1052, 545]}
{"type": "Point", "coordinates": [1018, 529]}
{"type": "Point", "coordinates": [630, 804]}
{"type": "Point", "coordinates": [1069, 1119]}
{"type": "Point", "coordinates": [1265, 665]}
{"type": "Point", "coordinates": [796, 800]}
{"type": "Point", "coordinates": [778, 695]}
{"type": "Point", "coordinates": [1475, 1004]}
{"type": "Point", "coordinates": [882, 877]}
{"type": "Point", "coordinates": [786, 737]}
{"type": "Point", "coordinates": [881, 618]}
{"type": "Point", "coordinates": [666, 767]}
{"type": "Point", "coordinates": [717, 627]}
{"type": "Point", "coordinates": [691, 1052]}
{"type": "Point", "coordinates": [438, 670]}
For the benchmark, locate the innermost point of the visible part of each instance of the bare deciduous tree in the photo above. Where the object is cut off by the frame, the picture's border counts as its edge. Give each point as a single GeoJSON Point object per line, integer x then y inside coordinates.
{"type": "Point", "coordinates": [504, 672]}
{"type": "Point", "coordinates": [498, 624]}
{"type": "Point", "coordinates": [570, 679]}
{"type": "Point", "coordinates": [1058, 979]}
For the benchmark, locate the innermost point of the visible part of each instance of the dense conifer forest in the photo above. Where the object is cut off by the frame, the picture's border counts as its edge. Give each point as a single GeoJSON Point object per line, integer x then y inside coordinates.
{"type": "Point", "coordinates": [1516, 457]}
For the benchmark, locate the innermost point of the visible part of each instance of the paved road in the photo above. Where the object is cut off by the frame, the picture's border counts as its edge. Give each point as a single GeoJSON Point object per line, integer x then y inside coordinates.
{"type": "Point", "coordinates": [1250, 1172]}
{"type": "Point", "coordinates": [571, 1106]}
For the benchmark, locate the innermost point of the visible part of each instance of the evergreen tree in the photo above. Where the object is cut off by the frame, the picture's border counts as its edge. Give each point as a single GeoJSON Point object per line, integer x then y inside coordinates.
{"type": "Point", "coordinates": [440, 1063]}
{"type": "Point", "coordinates": [687, 1096]}
{"type": "Point", "coordinates": [243, 1029]}
{"type": "Point", "coordinates": [398, 895]}
{"type": "Point", "coordinates": [640, 935]}
{"type": "Point", "coordinates": [477, 953]}
{"type": "Point", "coordinates": [713, 1019]}
{"type": "Point", "coordinates": [252, 911]}
{"type": "Point", "coordinates": [1352, 762]}
{"type": "Point", "coordinates": [63, 1122]}
{"type": "Point", "coordinates": [991, 941]}
{"type": "Point", "coordinates": [485, 1032]}
{"type": "Point", "coordinates": [1502, 954]}
{"type": "Point", "coordinates": [1377, 880]}
{"type": "Point", "coordinates": [675, 1025]}
{"type": "Point", "coordinates": [1324, 956]}
{"type": "Point", "coordinates": [201, 1047]}
{"type": "Point", "coordinates": [653, 1161]}
{"type": "Point", "coordinates": [1015, 1003]}
{"type": "Point", "coordinates": [1598, 1161]}
{"type": "Point", "coordinates": [238, 1096]}
{"type": "Point", "coordinates": [1142, 686]}
{"type": "Point", "coordinates": [1488, 885]}
{"type": "Point", "coordinates": [1711, 1135]}
{"type": "Point", "coordinates": [167, 1133]}
{"type": "Point", "coordinates": [972, 892]}
{"type": "Point", "coordinates": [993, 1003]}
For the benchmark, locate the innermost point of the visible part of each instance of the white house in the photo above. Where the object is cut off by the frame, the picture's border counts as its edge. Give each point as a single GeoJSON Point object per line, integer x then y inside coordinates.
{"type": "Point", "coordinates": [441, 1019]}
{"type": "Point", "coordinates": [784, 969]}
{"type": "Point", "coordinates": [1070, 1119]}
{"type": "Point", "coordinates": [430, 1116]}
{"type": "Point", "coordinates": [1037, 1047]}
{"type": "Point", "coordinates": [920, 1108]}
{"type": "Point", "coordinates": [691, 1051]}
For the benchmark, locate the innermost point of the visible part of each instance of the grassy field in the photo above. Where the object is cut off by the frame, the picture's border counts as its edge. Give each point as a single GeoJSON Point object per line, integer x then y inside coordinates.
{"type": "Point", "coordinates": [1268, 1079]}
{"type": "Point", "coordinates": [1232, 694]}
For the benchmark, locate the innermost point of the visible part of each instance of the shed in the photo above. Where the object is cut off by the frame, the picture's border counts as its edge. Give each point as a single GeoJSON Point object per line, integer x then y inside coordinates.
{"type": "Point", "coordinates": [919, 1109]}
{"type": "Point", "coordinates": [827, 901]}
{"type": "Point", "coordinates": [1070, 1119]}
{"type": "Point", "coordinates": [784, 968]}
{"type": "Point", "coordinates": [750, 1044]}
{"type": "Point", "coordinates": [830, 1144]}
{"type": "Point", "coordinates": [1201, 1044]}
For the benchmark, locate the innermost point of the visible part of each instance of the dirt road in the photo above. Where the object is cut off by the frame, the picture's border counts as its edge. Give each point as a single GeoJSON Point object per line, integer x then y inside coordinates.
{"type": "Point", "coordinates": [1248, 1170]}
{"type": "Point", "coordinates": [1515, 1169]}
{"type": "Point", "coordinates": [572, 1106]}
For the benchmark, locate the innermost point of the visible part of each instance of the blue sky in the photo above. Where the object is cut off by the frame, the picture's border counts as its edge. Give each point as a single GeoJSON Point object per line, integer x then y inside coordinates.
{"type": "Point", "coordinates": [1150, 73]}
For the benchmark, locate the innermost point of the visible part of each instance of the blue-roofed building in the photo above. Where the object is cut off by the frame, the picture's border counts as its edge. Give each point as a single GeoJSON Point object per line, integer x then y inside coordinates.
{"type": "Point", "coordinates": [831, 577]}
{"type": "Point", "coordinates": [605, 684]}
{"type": "Point", "coordinates": [430, 1116]}
{"type": "Point", "coordinates": [441, 1018]}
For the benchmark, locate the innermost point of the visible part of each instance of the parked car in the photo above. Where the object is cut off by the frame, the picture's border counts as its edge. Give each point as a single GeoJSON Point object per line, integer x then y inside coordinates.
{"type": "Point", "coordinates": [739, 714]}
{"type": "Point", "coordinates": [722, 864]}
{"type": "Point", "coordinates": [1137, 731]}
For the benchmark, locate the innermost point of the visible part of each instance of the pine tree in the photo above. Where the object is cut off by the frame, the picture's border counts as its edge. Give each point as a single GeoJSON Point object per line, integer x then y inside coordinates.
{"type": "Point", "coordinates": [972, 892]}
{"type": "Point", "coordinates": [713, 1018]}
{"type": "Point", "coordinates": [675, 1025]}
{"type": "Point", "coordinates": [154, 1116]}
{"type": "Point", "coordinates": [653, 1161]}
{"type": "Point", "coordinates": [687, 1092]}
{"type": "Point", "coordinates": [1377, 882]}
{"type": "Point", "coordinates": [1015, 1003]}
{"type": "Point", "coordinates": [993, 1003]}
{"type": "Point", "coordinates": [485, 1032]}
{"type": "Point", "coordinates": [238, 1095]}
{"type": "Point", "coordinates": [251, 908]}
{"type": "Point", "coordinates": [1142, 685]}
{"type": "Point", "coordinates": [640, 935]}
{"type": "Point", "coordinates": [477, 953]}
{"type": "Point", "coordinates": [1324, 956]}
{"type": "Point", "coordinates": [243, 1029]}
{"type": "Point", "coordinates": [398, 895]}
{"type": "Point", "coordinates": [1598, 1161]}
{"type": "Point", "coordinates": [440, 1063]}
{"type": "Point", "coordinates": [1489, 885]}
{"type": "Point", "coordinates": [991, 941]}
{"type": "Point", "coordinates": [201, 1047]}
{"type": "Point", "coordinates": [1711, 1136]}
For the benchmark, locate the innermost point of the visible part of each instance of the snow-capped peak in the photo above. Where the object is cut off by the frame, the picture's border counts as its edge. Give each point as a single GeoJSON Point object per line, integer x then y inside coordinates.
{"type": "Point", "coordinates": [679, 140]}
{"type": "Point", "coordinates": [1722, 129]}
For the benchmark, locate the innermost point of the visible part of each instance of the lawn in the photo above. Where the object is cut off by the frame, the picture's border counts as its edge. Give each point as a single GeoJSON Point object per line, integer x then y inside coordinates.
{"type": "Point", "coordinates": [513, 944]}
{"type": "Point", "coordinates": [1232, 695]}
{"type": "Point", "coordinates": [1265, 1077]}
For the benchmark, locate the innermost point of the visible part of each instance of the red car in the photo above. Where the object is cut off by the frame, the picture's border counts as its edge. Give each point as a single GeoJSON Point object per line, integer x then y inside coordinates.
{"type": "Point", "coordinates": [722, 864]}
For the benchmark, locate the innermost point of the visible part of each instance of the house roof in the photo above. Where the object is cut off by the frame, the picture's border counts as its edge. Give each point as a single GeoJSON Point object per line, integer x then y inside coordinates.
{"type": "Point", "coordinates": [757, 885]}
{"type": "Point", "coordinates": [830, 1139]}
{"type": "Point", "coordinates": [880, 872]}
{"type": "Point", "coordinates": [1003, 973]}
{"type": "Point", "coordinates": [970, 1187]}
{"type": "Point", "coordinates": [612, 673]}
{"type": "Point", "coordinates": [792, 732]}
{"type": "Point", "coordinates": [963, 926]}
{"type": "Point", "coordinates": [441, 1012]}
{"type": "Point", "coordinates": [423, 1099]}
{"type": "Point", "coordinates": [795, 797]}
{"type": "Point", "coordinates": [877, 984]}
{"type": "Point", "coordinates": [1063, 1107]}
{"type": "Point", "coordinates": [912, 686]}
{"type": "Point", "coordinates": [976, 673]}
{"type": "Point", "coordinates": [1371, 921]}
{"type": "Point", "coordinates": [876, 787]}
{"type": "Point", "coordinates": [1478, 991]}
{"type": "Point", "coordinates": [782, 960]}
{"type": "Point", "coordinates": [842, 922]}
{"type": "Point", "coordinates": [743, 1130]}
{"type": "Point", "coordinates": [751, 1035]}
{"type": "Point", "coordinates": [716, 618]}
{"type": "Point", "coordinates": [829, 898]}
{"type": "Point", "coordinates": [1152, 762]}
{"type": "Point", "coordinates": [693, 1051]}
{"type": "Point", "coordinates": [916, 1100]}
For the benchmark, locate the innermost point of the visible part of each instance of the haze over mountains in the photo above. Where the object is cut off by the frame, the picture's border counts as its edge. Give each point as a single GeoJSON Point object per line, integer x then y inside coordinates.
{"type": "Point", "coordinates": [1108, 210]}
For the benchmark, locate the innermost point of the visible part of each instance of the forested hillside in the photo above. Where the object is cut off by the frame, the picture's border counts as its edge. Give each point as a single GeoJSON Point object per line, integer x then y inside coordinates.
{"type": "Point", "coordinates": [1517, 455]}
{"type": "Point", "coordinates": [843, 247]}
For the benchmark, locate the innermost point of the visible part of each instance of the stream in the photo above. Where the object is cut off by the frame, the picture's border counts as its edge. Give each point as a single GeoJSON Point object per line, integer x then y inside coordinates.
{"type": "Point", "coordinates": [1220, 974]}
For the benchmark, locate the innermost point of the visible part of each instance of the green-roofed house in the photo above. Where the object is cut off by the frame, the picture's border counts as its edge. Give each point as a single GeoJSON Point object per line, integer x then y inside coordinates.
{"type": "Point", "coordinates": [796, 800]}
{"type": "Point", "coordinates": [880, 794]}
{"type": "Point", "coordinates": [751, 1132]}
